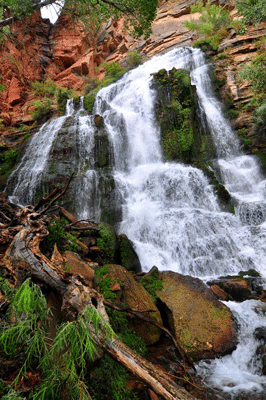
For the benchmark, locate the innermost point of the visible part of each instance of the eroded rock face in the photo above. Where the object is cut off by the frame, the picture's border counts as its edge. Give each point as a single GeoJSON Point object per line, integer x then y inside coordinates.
{"type": "Point", "coordinates": [135, 296]}
{"type": "Point", "coordinates": [203, 326]}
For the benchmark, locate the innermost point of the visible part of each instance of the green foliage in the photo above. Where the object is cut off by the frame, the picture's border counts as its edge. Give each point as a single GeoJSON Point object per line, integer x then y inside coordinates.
{"type": "Point", "coordinates": [255, 73]}
{"type": "Point", "coordinates": [113, 69]}
{"type": "Point", "coordinates": [63, 364]}
{"type": "Point", "coordinates": [107, 241]}
{"type": "Point", "coordinates": [260, 116]}
{"type": "Point", "coordinates": [10, 159]}
{"type": "Point", "coordinates": [44, 89]}
{"type": "Point", "coordinates": [253, 11]}
{"type": "Point", "coordinates": [109, 380]}
{"type": "Point", "coordinates": [57, 235]}
{"type": "Point", "coordinates": [133, 60]}
{"type": "Point", "coordinates": [62, 95]}
{"type": "Point", "coordinates": [138, 14]}
{"type": "Point", "coordinates": [12, 395]}
{"type": "Point", "coordinates": [89, 100]}
{"type": "Point", "coordinates": [41, 108]}
{"type": "Point", "coordinates": [152, 283]}
{"type": "Point", "coordinates": [213, 23]}
{"type": "Point", "coordinates": [103, 280]}
{"type": "Point", "coordinates": [5, 288]}
{"type": "Point", "coordinates": [24, 331]}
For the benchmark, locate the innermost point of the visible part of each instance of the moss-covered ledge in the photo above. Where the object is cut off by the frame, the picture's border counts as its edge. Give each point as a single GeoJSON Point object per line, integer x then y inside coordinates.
{"type": "Point", "coordinates": [176, 112]}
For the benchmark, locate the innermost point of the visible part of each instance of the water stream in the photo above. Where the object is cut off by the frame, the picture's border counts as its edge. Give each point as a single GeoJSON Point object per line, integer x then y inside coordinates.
{"type": "Point", "coordinates": [170, 210]}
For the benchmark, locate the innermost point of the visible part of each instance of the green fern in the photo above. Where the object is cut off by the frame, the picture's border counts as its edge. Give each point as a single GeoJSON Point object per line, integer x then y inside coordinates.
{"type": "Point", "coordinates": [64, 365]}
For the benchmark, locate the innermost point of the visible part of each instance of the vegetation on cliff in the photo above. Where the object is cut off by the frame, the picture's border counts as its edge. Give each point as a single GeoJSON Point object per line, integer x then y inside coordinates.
{"type": "Point", "coordinates": [138, 13]}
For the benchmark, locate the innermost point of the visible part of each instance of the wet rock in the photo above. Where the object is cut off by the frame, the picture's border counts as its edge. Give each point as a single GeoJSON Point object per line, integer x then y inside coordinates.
{"type": "Point", "coordinates": [175, 109]}
{"type": "Point", "coordinates": [126, 255]}
{"type": "Point", "coordinates": [134, 295]}
{"type": "Point", "coordinates": [220, 293]}
{"type": "Point", "coordinates": [203, 326]}
{"type": "Point", "coordinates": [236, 287]}
{"type": "Point", "coordinates": [260, 333]}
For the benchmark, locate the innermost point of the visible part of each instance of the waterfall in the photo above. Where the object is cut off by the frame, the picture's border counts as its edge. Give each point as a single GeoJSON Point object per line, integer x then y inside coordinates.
{"type": "Point", "coordinates": [168, 210]}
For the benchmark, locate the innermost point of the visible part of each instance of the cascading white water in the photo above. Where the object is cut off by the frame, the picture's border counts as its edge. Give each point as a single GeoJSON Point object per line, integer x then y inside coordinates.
{"type": "Point", "coordinates": [30, 170]}
{"type": "Point", "coordinates": [169, 210]}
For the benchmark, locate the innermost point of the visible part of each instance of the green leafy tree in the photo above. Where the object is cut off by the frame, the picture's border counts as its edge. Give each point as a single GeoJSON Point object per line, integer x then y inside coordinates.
{"type": "Point", "coordinates": [253, 11]}
{"type": "Point", "coordinates": [139, 14]}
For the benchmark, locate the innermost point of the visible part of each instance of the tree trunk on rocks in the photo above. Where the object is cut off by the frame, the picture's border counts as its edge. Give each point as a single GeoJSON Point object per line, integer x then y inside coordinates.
{"type": "Point", "coordinates": [23, 258]}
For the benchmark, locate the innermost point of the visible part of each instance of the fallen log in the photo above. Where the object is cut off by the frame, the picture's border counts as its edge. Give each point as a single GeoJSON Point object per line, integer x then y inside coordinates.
{"type": "Point", "coordinates": [24, 255]}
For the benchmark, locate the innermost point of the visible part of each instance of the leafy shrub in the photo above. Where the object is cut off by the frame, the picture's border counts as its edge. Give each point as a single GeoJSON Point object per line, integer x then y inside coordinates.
{"type": "Point", "coordinates": [41, 108]}
{"type": "Point", "coordinates": [133, 60]}
{"type": "Point", "coordinates": [260, 116]}
{"type": "Point", "coordinates": [58, 236]}
{"type": "Point", "coordinates": [113, 69]}
{"type": "Point", "coordinates": [62, 95]}
{"type": "Point", "coordinates": [213, 23]}
{"type": "Point", "coordinates": [44, 89]}
{"type": "Point", "coordinates": [255, 73]}
{"type": "Point", "coordinates": [253, 11]}
{"type": "Point", "coordinates": [10, 159]}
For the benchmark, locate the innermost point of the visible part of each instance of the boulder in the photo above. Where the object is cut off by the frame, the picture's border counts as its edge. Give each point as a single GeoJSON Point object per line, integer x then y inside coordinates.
{"type": "Point", "coordinates": [135, 296]}
{"type": "Point", "coordinates": [236, 287]}
{"type": "Point", "coordinates": [126, 255]}
{"type": "Point", "coordinates": [203, 325]}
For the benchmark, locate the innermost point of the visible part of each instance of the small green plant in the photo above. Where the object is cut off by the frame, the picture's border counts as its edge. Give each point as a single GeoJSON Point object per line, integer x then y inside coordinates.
{"type": "Point", "coordinates": [63, 363]}
{"type": "Point", "coordinates": [213, 23]}
{"type": "Point", "coordinates": [152, 283]}
{"type": "Point", "coordinates": [133, 60]}
{"type": "Point", "coordinates": [113, 69]}
{"type": "Point", "coordinates": [62, 95]}
{"type": "Point", "coordinates": [44, 89]}
{"type": "Point", "coordinates": [41, 108]}
{"type": "Point", "coordinates": [255, 73]}
{"type": "Point", "coordinates": [10, 159]}
{"type": "Point", "coordinates": [59, 236]}
{"type": "Point", "coordinates": [252, 11]}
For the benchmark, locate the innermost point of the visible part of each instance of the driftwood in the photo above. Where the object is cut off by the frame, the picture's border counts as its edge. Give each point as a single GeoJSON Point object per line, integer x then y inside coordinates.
{"type": "Point", "coordinates": [137, 314]}
{"type": "Point", "coordinates": [23, 256]}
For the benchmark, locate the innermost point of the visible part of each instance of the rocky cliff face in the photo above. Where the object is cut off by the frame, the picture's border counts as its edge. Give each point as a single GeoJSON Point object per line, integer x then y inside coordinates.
{"type": "Point", "coordinates": [69, 55]}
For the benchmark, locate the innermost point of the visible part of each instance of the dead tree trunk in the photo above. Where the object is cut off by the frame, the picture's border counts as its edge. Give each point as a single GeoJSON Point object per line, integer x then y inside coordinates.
{"type": "Point", "coordinates": [23, 254]}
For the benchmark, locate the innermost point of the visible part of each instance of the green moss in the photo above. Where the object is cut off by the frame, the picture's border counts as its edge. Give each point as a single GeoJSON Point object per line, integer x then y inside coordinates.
{"type": "Point", "coordinates": [107, 241]}
{"type": "Point", "coordinates": [175, 109]}
{"type": "Point", "coordinates": [250, 272]}
{"type": "Point", "coordinates": [152, 283]}
{"type": "Point", "coordinates": [109, 381]}
{"type": "Point", "coordinates": [10, 158]}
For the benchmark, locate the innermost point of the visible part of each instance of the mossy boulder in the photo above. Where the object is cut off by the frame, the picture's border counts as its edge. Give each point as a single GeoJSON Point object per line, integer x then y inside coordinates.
{"type": "Point", "coordinates": [126, 255]}
{"type": "Point", "coordinates": [203, 325]}
{"type": "Point", "coordinates": [135, 296]}
{"type": "Point", "coordinates": [176, 112]}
